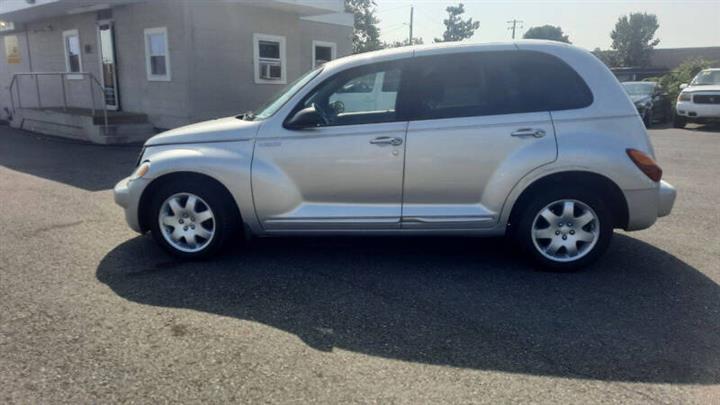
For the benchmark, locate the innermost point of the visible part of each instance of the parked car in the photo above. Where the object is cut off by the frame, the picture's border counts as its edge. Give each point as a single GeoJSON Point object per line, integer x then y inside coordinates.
{"type": "Point", "coordinates": [651, 101]}
{"type": "Point", "coordinates": [535, 140]}
{"type": "Point", "coordinates": [700, 101]}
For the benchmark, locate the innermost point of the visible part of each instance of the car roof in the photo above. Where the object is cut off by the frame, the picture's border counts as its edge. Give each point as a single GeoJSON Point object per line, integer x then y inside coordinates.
{"type": "Point", "coordinates": [387, 55]}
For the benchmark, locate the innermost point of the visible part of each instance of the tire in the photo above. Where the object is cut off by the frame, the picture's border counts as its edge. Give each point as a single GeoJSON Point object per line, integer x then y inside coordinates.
{"type": "Point", "coordinates": [531, 223]}
{"type": "Point", "coordinates": [647, 118]}
{"type": "Point", "coordinates": [679, 121]}
{"type": "Point", "coordinates": [210, 232]}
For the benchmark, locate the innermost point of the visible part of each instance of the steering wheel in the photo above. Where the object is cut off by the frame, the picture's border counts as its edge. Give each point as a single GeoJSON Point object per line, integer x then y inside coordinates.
{"type": "Point", "coordinates": [324, 116]}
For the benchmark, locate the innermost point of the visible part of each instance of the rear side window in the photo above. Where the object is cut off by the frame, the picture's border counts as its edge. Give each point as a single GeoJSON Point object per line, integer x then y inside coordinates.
{"type": "Point", "coordinates": [491, 83]}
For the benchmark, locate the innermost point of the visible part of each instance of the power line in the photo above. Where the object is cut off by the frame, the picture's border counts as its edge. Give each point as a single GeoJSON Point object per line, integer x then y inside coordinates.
{"type": "Point", "coordinates": [513, 25]}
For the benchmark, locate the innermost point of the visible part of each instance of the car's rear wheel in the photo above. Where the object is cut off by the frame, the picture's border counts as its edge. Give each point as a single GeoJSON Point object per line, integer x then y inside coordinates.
{"type": "Point", "coordinates": [564, 231]}
{"type": "Point", "coordinates": [679, 121]}
{"type": "Point", "coordinates": [191, 220]}
{"type": "Point", "coordinates": [648, 118]}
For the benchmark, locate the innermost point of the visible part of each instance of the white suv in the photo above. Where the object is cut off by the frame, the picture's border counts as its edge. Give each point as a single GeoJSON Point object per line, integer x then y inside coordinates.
{"type": "Point", "coordinates": [699, 101]}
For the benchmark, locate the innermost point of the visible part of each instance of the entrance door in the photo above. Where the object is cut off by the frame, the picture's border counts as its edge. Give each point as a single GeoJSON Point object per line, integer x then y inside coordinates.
{"type": "Point", "coordinates": [108, 65]}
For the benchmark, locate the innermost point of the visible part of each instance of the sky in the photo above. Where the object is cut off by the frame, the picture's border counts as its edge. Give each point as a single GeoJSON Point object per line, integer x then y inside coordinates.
{"type": "Point", "coordinates": [588, 23]}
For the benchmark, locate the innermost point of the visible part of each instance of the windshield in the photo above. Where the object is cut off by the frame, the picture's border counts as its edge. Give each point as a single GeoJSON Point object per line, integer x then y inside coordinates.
{"type": "Point", "coordinates": [279, 99]}
{"type": "Point", "coordinates": [639, 89]}
{"type": "Point", "coordinates": [707, 78]}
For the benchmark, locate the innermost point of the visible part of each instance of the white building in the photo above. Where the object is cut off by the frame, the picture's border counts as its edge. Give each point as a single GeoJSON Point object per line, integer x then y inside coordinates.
{"type": "Point", "coordinates": [155, 63]}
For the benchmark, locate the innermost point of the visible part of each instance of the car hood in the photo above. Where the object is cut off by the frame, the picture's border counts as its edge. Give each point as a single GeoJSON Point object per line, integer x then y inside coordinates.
{"type": "Point", "coordinates": [218, 130]}
{"type": "Point", "coordinates": [640, 99]}
{"type": "Point", "coordinates": [714, 88]}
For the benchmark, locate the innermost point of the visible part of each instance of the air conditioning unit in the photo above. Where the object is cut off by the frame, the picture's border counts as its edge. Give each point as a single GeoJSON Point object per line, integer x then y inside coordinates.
{"type": "Point", "coordinates": [270, 69]}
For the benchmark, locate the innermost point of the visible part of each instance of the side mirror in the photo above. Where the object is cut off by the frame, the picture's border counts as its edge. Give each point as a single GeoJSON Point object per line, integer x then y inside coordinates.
{"type": "Point", "coordinates": [305, 118]}
{"type": "Point", "coordinates": [683, 86]}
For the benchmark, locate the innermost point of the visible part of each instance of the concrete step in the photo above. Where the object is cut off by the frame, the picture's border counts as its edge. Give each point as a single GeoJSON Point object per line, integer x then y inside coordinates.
{"type": "Point", "coordinates": [81, 125]}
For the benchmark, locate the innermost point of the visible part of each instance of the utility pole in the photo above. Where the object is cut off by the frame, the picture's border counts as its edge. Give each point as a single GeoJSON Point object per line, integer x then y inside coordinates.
{"type": "Point", "coordinates": [514, 23]}
{"type": "Point", "coordinates": [410, 40]}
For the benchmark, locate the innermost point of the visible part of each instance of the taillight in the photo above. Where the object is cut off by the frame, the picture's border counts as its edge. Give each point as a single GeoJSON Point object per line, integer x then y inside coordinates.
{"type": "Point", "coordinates": [646, 164]}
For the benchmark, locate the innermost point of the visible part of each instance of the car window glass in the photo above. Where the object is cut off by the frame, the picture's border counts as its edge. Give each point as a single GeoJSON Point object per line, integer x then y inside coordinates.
{"type": "Point", "coordinates": [359, 96]}
{"type": "Point", "coordinates": [490, 83]}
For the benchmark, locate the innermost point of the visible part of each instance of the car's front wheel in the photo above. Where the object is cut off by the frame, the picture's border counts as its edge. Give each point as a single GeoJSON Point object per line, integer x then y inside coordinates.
{"type": "Point", "coordinates": [564, 231]}
{"type": "Point", "coordinates": [192, 220]}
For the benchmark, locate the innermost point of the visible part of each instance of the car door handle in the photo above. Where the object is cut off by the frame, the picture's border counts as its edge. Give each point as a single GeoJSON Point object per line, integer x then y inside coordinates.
{"type": "Point", "coordinates": [524, 132]}
{"type": "Point", "coordinates": [387, 140]}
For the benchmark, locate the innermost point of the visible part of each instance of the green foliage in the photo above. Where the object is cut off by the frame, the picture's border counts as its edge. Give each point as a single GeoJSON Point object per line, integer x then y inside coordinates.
{"type": "Point", "coordinates": [633, 40]}
{"type": "Point", "coordinates": [457, 29]}
{"type": "Point", "coordinates": [608, 57]}
{"type": "Point", "coordinates": [366, 34]}
{"type": "Point", "coordinates": [682, 74]}
{"type": "Point", "coordinates": [398, 44]}
{"type": "Point", "coordinates": [548, 32]}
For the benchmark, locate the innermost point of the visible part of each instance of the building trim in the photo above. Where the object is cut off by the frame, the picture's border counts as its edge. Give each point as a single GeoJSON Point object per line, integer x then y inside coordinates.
{"type": "Point", "coordinates": [148, 68]}
{"type": "Point", "coordinates": [331, 45]}
{"type": "Point", "coordinates": [65, 35]}
{"type": "Point", "coordinates": [257, 37]}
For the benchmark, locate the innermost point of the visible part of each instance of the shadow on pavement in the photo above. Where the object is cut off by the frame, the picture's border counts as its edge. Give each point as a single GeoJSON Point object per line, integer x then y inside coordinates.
{"type": "Point", "coordinates": [83, 165]}
{"type": "Point", "coordinates": [639, 315]}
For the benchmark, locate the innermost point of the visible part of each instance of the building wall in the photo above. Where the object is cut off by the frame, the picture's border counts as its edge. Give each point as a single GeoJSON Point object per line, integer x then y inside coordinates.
{"type": "Point", "coordinates": [222, 40]}
{"type": "Point", "coordinates": [8, 69]}
{"type": "Point", "coordinates": [165, 103]}
{"type": "Point", "coordinates": [42, 50]}
{"type": "Point", "coordinates": [211, 57]}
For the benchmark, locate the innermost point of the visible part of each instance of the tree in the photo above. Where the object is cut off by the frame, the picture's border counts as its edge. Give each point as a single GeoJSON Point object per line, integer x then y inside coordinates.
{"type": "Point", "coordinates": [546, 32]}
{"type": "Point", "coordinates": [608, 57]}
{"type": "Point", "coordinates": [366, 34]}
{"type": "Point", "coordinates": [633, 40]}
{"type": "Point", "coordinates": [457, 29]}
{"type": "Point", "coordinates": [398, 44]}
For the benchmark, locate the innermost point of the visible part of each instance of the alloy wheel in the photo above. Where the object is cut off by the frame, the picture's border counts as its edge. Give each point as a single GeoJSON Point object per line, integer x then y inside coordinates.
{"type": "Point", "coordinates": [565, 230]}
{"type": "Point", "coordinates": [187, 223]}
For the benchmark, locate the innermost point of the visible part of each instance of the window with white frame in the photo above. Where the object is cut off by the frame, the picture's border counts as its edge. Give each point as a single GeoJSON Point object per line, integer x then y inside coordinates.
{"type": "Point", "coordinates": [323, 52]}
{"type": "Point", "coordinates": [269, 57]}
{"type": "Point", "coordinates": [73, 56]}
{"type": "Point", "coordinates": [157, 54]}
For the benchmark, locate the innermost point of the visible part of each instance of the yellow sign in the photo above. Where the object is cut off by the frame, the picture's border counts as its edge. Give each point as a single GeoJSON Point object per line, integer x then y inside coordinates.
{"type": "Point", "coordinates": [12, 49]}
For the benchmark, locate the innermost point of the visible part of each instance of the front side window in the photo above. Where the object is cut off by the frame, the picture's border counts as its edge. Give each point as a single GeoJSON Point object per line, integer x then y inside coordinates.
{"type": "Point", "coordinates": [269, 55]}
{"type": "Point", "coordinates": [73, 57]}
{"type": "Point", "coordinates": [356, 97]}
{"type": "Point", "coordinates": [277, 101]}
{"type": "Point", "coordinates": [493, 83]}
{"type": "Point", "coordinates": [157, 54]}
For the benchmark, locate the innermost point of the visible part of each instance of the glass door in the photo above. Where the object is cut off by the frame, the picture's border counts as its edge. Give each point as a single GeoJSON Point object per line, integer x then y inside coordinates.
{"type": "Point", "coordinates": [108, 65]}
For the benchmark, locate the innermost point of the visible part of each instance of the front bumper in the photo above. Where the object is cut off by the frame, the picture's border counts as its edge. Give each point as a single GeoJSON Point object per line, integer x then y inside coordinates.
{"type": "Point", "coordinates": [127, 195]}
{"type": "Point", "coordinates": [693, 111]}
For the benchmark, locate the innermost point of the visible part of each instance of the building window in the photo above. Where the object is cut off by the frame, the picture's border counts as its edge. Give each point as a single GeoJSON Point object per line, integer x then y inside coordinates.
{"type": "Point", "coordinates": [73, 57]}
{"type": "Point", "coordinates": [269, 57]}
{"type": "Point", "coordinates": [157, 55]}
{"type": "Point", "coordinates": [323, 52]}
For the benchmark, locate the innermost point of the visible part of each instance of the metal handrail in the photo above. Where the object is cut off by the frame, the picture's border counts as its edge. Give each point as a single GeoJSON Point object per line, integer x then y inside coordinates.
{"type": "Point", "coordinates": [92, 80]}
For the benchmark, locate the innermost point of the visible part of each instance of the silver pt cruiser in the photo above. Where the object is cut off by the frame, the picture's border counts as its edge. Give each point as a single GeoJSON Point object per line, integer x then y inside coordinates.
{"type": "Point", "coordinates": [531, 139]}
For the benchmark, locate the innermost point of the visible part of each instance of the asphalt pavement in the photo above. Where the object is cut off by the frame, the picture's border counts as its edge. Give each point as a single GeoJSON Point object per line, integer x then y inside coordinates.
{"type": "Point", "coordinates": [91, 312]}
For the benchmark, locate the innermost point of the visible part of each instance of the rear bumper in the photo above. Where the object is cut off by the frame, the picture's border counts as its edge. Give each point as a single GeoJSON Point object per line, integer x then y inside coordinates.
{"type": "Point", "coordinates": [666, 198]}
{"type": "Point", "coordinates": [646, 206]}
